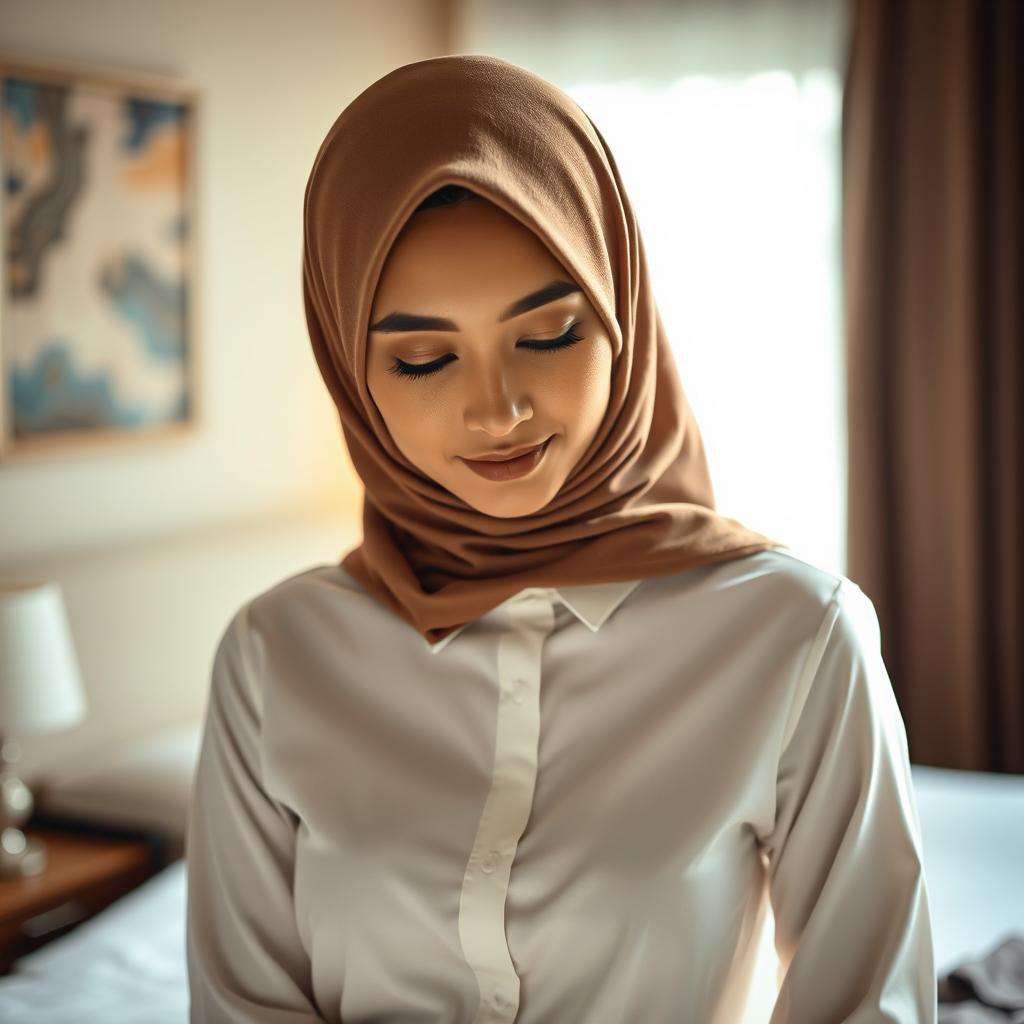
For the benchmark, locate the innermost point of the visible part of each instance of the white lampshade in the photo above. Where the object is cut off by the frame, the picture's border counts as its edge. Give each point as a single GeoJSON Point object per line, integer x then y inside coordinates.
{"type": "Point", "coordinates": [40, 686]}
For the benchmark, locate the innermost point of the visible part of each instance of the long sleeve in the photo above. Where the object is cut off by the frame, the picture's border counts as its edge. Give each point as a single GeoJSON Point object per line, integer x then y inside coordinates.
{"type": "Point", "coordinates": [246, 962]}
{"type": "Point", "coordinates": [846, 878]}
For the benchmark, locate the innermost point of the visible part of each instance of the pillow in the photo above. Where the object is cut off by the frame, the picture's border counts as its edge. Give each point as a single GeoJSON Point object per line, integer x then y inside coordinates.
{"type": "Point", "coordinates": [144, 784]}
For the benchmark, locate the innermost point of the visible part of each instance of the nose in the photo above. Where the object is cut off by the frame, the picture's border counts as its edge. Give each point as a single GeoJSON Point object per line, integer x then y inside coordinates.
{"type": "Point", "coordinates": [495, 404]}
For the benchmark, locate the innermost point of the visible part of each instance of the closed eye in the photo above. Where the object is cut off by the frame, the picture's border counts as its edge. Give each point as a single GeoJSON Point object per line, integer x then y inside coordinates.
{"type": "Point", "coordinates": [564, 341]}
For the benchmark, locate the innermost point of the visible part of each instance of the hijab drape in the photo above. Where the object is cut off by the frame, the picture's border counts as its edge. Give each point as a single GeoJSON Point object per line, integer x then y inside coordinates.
{"type": "Point", "coordinates": [639, 502]}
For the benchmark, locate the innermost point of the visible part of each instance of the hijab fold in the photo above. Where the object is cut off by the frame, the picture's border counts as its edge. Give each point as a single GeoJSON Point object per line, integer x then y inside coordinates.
{"type": "Point", "coordinates": [639, 502]}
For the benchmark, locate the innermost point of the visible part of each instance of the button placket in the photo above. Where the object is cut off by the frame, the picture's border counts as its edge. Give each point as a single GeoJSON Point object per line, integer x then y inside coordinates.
{"type": "Point", "coordinates": [507, 807]}
{"type": "Point", "coordinates": [519, 691]}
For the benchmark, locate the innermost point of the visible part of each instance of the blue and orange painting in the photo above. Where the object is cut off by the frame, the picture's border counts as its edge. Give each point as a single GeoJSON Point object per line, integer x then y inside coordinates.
{"type": "Point", "coordinates": [94, 334]}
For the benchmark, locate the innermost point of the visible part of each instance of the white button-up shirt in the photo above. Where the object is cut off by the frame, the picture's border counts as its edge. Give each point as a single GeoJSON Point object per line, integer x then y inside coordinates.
{"type": "Point", "coordinates": [581, 808]}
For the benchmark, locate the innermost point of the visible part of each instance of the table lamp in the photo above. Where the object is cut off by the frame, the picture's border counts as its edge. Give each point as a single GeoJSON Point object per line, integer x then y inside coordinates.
{"type": "Point", "coordinates": [40, 691]}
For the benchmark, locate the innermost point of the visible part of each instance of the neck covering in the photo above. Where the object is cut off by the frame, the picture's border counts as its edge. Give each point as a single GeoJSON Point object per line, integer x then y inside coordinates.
{"type": "Point", "coordinates": [639, 502]}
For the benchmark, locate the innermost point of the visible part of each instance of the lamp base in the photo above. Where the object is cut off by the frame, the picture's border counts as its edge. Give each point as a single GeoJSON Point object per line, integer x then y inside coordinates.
{"type": "Point", "coordinates": [21, 855]}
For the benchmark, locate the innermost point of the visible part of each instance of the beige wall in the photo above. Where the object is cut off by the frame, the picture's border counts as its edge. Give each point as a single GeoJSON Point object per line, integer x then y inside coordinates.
{"type": "Point", "coordinates": [273, 76]}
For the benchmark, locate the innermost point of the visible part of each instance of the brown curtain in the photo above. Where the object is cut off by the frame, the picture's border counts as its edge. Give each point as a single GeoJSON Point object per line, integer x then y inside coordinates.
{"type": "Point", "coordinates": [933, 227]}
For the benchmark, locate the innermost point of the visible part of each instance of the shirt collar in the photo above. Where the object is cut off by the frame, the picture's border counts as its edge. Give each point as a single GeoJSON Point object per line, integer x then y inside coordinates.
{"type": "Point", "coordinates": [591, 603]}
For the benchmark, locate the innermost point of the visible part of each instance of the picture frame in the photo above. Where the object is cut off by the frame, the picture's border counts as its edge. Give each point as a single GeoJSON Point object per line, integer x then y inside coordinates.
{"type": "Point", "coordinates": [99, 278]}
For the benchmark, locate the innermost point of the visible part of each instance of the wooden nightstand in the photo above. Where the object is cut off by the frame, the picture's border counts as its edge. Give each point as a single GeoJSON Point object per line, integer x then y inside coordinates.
{"type": "Point", "coordinates": [87, 869]}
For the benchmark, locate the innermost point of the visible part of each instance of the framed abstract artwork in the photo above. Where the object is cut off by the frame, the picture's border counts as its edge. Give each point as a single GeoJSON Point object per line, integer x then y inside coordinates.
{"type": "Point", "coordinates": [98, 280]}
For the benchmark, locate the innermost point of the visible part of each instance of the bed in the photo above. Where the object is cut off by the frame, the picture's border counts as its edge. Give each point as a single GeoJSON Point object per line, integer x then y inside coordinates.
{"type": "Point", "coordinates": [131, 765]}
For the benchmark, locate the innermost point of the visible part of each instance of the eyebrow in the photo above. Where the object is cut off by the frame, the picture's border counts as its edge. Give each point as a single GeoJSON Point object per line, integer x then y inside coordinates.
{"type": "Point", "coordinates": [396, 322]}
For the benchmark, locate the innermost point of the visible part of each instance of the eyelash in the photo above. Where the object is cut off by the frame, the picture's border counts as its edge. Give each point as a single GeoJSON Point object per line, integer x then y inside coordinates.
{"type": "Point", "coordinates": [551, 345]}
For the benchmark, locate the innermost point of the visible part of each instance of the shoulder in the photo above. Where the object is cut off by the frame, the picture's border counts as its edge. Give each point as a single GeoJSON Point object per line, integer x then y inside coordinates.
{"type": "Point", "coordinates": [847, 613]}
{"type": "Point", "coordinates": [330, 584]}
{"type": "Point", "coordinates": [844, 616]}
{"type": "Point", "coordinates": [770, 585]}
{"type": "Point", "coordinates": [315, 597]}
{"type": "Point", "coordinates": [786, 573]}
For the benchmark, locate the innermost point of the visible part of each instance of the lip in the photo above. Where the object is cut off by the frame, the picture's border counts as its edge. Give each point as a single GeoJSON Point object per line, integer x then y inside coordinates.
{"type": "Point", "coordinates": [512, 453]}
{"type": "Point", "coordinates": [509, 469]}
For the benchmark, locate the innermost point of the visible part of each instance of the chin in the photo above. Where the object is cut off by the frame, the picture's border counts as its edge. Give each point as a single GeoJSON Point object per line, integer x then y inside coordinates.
{"type": "Point", "coordinates": [501, 513]}
{"type": "Point", "coordinates": [509, 507]}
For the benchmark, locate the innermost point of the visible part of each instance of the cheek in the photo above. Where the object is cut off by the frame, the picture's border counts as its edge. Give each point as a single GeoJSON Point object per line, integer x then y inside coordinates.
{"type": "Point", "coordinates": [580, 386]}
{"type": "Point", "coordinates": [596, 373]}
{"type": "Point", "coordinates": [407, 407]}
{"type": "Point", "coordinates": [415, 423]}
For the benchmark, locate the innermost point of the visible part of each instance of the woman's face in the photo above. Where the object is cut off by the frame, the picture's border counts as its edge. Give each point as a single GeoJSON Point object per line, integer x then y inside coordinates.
{"type": "Point", "coordinates": [491, 372]}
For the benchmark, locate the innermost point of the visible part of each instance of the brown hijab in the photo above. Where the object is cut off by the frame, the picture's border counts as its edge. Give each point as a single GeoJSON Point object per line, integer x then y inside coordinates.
{"type": "Point", "coordinates": [639, 502]}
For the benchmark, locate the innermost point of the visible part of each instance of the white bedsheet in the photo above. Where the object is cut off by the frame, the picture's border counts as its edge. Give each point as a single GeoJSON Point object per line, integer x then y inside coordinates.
{"type": "Point", "coordinates": [127, 964]}
{"type": "Point", "coordinates": [124, 966]}
{"type": "Point", "coordinates": [972, 824]}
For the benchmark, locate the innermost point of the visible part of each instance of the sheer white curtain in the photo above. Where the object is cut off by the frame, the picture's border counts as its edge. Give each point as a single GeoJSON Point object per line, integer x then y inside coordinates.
{"type": "Point", "coordinates": [724, 118]}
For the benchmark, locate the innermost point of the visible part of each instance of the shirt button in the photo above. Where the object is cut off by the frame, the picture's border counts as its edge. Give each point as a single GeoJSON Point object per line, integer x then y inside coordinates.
{"type": "Point", "coordinates": [502, 1001]}
{"type": "Point", "coordinates": [487, 864]}
{"type": "Point", "coordinates": [519, 694]}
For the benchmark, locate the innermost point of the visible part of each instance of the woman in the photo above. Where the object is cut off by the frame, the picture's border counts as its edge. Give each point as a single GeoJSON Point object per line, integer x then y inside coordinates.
{"type": "Point", "coordinates": [547, 744]}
